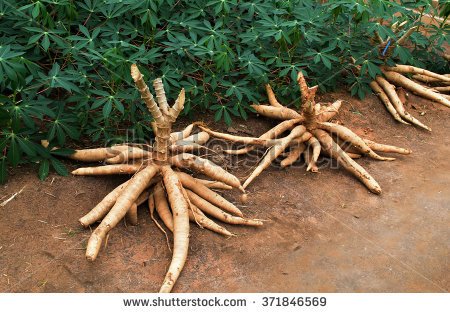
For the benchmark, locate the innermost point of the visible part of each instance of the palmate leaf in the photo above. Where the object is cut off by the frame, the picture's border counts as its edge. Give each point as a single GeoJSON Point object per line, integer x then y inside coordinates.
{"type": "Point", "coordinates": [9, 63]}
{"type": "Point", "coordinates": [56, 78]}
{"type": "Point", "coordinates": [26, 146]}
{"type": "Point", "coordinates": [371, 68]}
{"type": "Point", "coordinates": [59, 167]}
{"type": "Point", "coordinates": [14, 152]}
{"type": "Point", "coordinates": [44, 169]}
{"type": "Point", "coordinates": [63, 152]}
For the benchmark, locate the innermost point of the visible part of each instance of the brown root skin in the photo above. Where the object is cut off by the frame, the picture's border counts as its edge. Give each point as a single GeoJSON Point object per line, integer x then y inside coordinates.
{"type": "Point", "coordinates": [314, 117]}
{"type": "Point", "coordinates": [347, 135]}
{"type": "Point", "coordinates": [213, 184]}
{"type": "Point", "coordinates": [143, 197]}
{"type": "Point", "coordinates": [199, 138]}
{"type": "Point", "coordinates": [162, 206]}
{"type": "Point", "coordinates": [131, 215]}
{"type": "Point", "coordinates": [293, 155]}
{"type": "Point", "coordinates": [308, 155]}
{"type": "Point", "coordinates": [336, 152]}
{"type": "Point", "coordinates": [180, 208]}
{"type": "Point", "coordinates": [406, 83]}
{"type": "Point", "coordinates": [182, 147]}
{"type": "Point", "coordinates": [315, 147]}
{"type": "Point", "coordinates": [129, 154]}
{"type": "Point", "coordinates": [129, 195]}
{"type": "Point", "coordinates": [429, 80]}
{"type": "Point", "coordinates": [102, 208]}
{"type": "Point", "coordinates": [198, 217]}
{"type": "Point", "coordinates": [273, 153]}
{"type": "Point", "coordinates": [108, 170]}
{"type": "Point", "coordinates": [271, 96]}
{"type": "Point", "coordinates": [386, 148]}
{"type": "Point", "coordinates": [190, 183]}
{"type": "Point", "coordinates": [445, 89]}
{"type": "Point", "coordinates": [217, 213]}
{"type": "Point", "coordinates": [303, 138]}
{"type": "Point", "coordinates": [280, 113]}
{"type": "Point", "coordinates": [387, 103]}
{"type": "Point", "coordinates": [354, 155]}
{"type": "Point", "coordinates": [175, 136]}
{"type": "Point", "coordinates": [397, 103]}
{"type": "Point", "coordinates": [190, 161]}
{"type": "Point", "coordinates": [402, 95]}
{"type": "Point", "coordinates": [241, 139]}
{"type": "Point", "coordinates": [270, 134]}
{"type": "Point", "coordinates": [408, 69]}
{"type": "Point", "coordinates": [98, 154]}
{"type": "Point", "coordinates": [328, 112]}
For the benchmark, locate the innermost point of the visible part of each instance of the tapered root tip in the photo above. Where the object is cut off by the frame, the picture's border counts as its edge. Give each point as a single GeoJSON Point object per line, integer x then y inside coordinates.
{"type": "Point", "coordinates": [76, 172]}
{"type": "Point", "coordinates": [244, 198]}
{"type": "Point", "coordinates": [376, 190]}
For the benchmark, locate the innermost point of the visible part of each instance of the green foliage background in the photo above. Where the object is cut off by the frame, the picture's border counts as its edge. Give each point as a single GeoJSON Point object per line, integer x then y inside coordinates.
{"type": "Point", "coordinates": [64, 65]}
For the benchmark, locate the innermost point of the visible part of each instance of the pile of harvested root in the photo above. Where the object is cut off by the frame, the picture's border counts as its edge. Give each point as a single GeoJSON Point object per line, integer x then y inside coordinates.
{"type": "Point", "coordinates": [391, 86]}
{"type": "Point", "coordinates": [177, 197]}
{"type": "Point", "coordinates": [309, 134]}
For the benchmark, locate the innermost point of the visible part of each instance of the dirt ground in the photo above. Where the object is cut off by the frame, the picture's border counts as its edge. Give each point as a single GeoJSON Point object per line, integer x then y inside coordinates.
{"type": "Point", "coordinates": [326, 233]}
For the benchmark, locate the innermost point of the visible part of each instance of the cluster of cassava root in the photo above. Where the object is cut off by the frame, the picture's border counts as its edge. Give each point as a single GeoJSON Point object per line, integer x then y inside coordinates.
{"type": "Point", "coordinates": [177, 197]}
{"type": "Point", "coordinates": [391, 85]}
{"type": "Point", "coordinates": [309, 133]}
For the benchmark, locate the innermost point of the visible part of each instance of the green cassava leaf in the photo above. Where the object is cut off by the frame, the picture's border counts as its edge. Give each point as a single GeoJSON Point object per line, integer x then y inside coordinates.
{"type": "Point", "coordinates": [44, 169]}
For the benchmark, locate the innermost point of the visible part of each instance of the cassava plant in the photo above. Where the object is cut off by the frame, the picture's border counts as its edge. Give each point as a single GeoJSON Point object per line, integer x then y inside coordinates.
{"type": "Point", "coordinates": [309, 134]}
{"type": "Point", "coordinates": [177, 196]}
